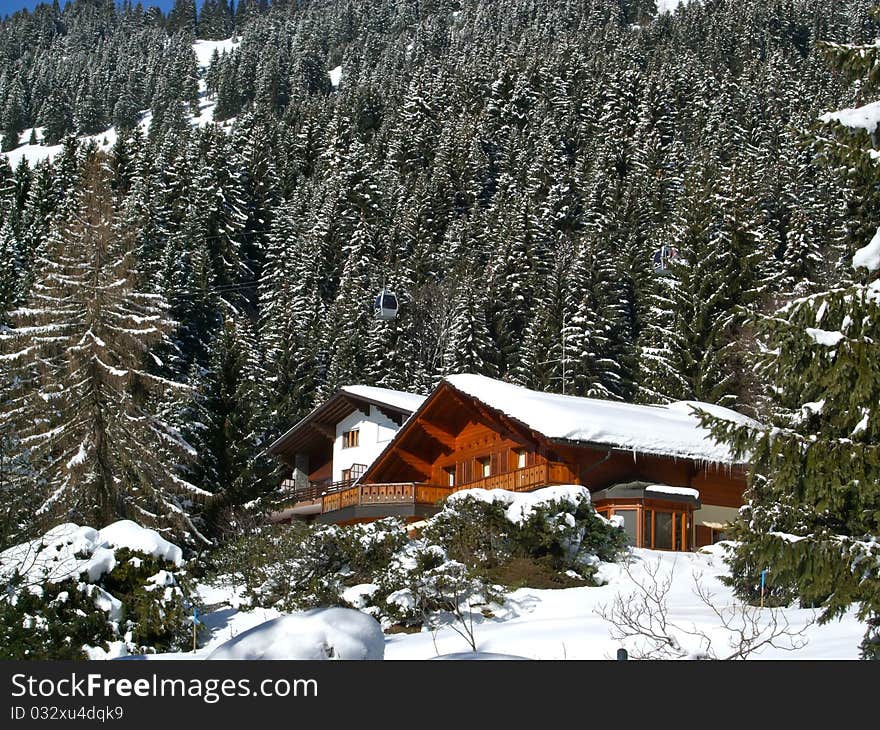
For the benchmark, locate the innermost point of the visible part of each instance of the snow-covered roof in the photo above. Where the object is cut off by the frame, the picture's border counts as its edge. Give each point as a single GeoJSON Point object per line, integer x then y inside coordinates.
{"type": "Point", "coordinates": [399, 399]}
{"type": "Point", "coordinates": [337, 407]}
{"type": "Point", "coordinates": [671, 430]}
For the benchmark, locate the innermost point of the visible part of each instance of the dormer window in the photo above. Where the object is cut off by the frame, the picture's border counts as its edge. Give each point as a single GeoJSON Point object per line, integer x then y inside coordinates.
{"type": "Point", "coordinates": [350, 439]}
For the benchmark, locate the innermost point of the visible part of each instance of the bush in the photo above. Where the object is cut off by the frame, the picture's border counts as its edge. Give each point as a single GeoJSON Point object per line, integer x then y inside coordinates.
{"type": "Point", "coordinates": [549, 538]}
{"type": "Point", "coordinates": [75, 593]}
{"type": "Point", "coordinates": [557, 529]}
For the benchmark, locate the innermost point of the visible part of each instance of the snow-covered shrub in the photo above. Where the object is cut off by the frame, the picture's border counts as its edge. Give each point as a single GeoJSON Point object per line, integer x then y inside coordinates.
{"type": "Point", "coordinates": [305, 570]}
{"type": "Point", "coordinates": [458, 560]}
{"type": "Point", "coordinates": [78, 592]}
{"type": "Point", "coordinates": [556, 527]}
{"type": "Point", "coordinates": [421, 582]}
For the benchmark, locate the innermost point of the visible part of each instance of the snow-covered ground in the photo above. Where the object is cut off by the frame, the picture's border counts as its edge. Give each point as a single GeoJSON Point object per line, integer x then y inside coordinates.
{"type": "Point", "coordinates": [204, 50]}
{"type": "Point", "coordinates": [36, 153]}
{"type": "Point", "coordinates": [566, 623]}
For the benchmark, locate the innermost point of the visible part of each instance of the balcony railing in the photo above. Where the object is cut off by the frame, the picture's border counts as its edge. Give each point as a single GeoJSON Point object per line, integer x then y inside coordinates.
{"type": "Point", "coordinates": [397, 493]}
{"type": "Point", "coordinates": [527, 478]}
{"type": "Point", "coordinates": [519, 480]}
{"type": "Point", "coordinates": [314, 490]}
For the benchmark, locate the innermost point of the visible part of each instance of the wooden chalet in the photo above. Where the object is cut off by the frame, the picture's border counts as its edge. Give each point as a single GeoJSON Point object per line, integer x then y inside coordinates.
{"type": "Point", "coordinates": [654, 467]}
{"type": "Point", "coordinates": [331, 448]}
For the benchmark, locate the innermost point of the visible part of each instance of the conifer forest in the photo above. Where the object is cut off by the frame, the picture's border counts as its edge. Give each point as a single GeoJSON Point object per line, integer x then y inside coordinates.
{"type": "Point", "coordinates": [608, 198]}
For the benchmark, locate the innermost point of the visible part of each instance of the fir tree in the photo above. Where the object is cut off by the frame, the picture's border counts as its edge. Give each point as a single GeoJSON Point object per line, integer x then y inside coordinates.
{"type": "Point", "coordinates": [224, 423]}
{"type": "Point", "coordinates": [812, 518]}
{"type": "Point", "coordinates": [85, 402]}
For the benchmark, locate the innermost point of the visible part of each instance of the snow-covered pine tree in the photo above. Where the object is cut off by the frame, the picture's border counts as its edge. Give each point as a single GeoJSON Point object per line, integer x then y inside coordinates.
{"type": "Point", "coordinates": [84, 403]}
{"type": "Point", "coordinates": [469, 347]}
{"type": "Point", "coordinates": [224, 423]}
{"type": "Point", "coordinates": [812, 518]}
{"type": "Point", "coordinates": [545, 359]}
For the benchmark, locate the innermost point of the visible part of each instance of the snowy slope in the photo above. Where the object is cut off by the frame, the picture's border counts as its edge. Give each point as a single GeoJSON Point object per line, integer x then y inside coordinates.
{"type": "Point", "coordinates": [669, 6]}
{"type": "Point", "coordinates": [565, 624]}
{"type": "Point", "coordinates": [105, 140]}
{"type": "Point", "coordinates": [204, 50]}
{"type": "Point", "coordinates": [671, 429]}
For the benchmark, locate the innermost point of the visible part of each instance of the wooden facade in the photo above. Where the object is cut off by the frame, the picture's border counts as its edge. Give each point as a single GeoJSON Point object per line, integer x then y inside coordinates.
{"type": "Point", "coordinates": [455, 442]}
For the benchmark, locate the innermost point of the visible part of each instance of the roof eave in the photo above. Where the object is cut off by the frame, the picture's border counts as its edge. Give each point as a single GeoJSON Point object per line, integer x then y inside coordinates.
{"type": "Point", "coordinates": [276, 446]}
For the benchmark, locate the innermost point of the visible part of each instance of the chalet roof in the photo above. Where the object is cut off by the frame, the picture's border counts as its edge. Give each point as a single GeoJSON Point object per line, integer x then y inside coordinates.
{"type": "Point", "coordinates": [398, 399]}
{"type": "Point", "coordinates": [642, 490]}
{"type": "Point", "coordinates": [318, 427]}
{"type": "Point", "coordinates": [670, 430]}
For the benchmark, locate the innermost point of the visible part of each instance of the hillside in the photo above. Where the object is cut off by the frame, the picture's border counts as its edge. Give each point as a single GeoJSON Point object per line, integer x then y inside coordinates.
{"type": "Point", "coordinates": [636, 201]}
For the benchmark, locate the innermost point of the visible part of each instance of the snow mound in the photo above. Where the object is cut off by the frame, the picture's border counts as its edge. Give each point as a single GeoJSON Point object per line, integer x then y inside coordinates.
{"type": "Point", "coordinates": [479, 656]}
{"type": "Point", "coordinates": [868, 256]}
{"type": "Point", "coordinates": [69, 550]}
{"type": "Point", "coordinates": [321, 633]}
{"type": "Point", "coordinates": [521, 505]}
{"type": "Point", "coordinates": [128, 534]}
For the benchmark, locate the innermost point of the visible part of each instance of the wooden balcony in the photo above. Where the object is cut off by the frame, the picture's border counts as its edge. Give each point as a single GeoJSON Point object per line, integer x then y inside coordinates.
{"type": "Point", "coordinates": [416, 493]}
{"type": "Point", "coordinates": [527, 478]}
{"type": "Point", "coordinates": [314, 490]}
{"type": "Point", "coordinates": [404, 493]}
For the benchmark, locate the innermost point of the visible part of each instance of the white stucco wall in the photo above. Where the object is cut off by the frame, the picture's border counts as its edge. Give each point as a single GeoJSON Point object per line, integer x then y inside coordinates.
{"type": "Point", "coordinates": [376, 430]}
{"type": "Point", "coordinates": [714, 516]}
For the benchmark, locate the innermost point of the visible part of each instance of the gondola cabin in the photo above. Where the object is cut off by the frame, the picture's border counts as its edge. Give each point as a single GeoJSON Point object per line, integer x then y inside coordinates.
{"type": "Point", "coordinates": [663, 257]}
{"type": "Point", "coordinates": [386, 305]}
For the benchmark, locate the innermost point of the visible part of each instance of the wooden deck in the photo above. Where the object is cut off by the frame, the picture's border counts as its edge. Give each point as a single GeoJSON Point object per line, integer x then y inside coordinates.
{"type": "Point", "coordinates": [527, 478]}
{"type": "Point", "coordinates": [519, 480]}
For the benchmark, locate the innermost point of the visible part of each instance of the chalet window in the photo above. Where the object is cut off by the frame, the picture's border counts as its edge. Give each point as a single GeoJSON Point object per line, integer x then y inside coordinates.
{"type": "Point", "coordinates": [350, 439]}
{"type": "Point", "coordinates": [663, 530]}
{"type": "Point", "coordinates": [666, 530]}
{"type": "Point", "coordinates": [484, 467]}
{"type": "Point", "coordinates": [630, 523]}
{"type": "Point", "coordinates": [521, 456]}
{"type": "Point", "coordinates": [346, 475]}
{"type": "Point", "coordinates": [450, 476]}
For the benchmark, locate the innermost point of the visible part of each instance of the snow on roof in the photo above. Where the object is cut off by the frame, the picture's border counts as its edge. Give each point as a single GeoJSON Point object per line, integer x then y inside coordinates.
{"type": "Point", "coordinates": [394, 398]}
{"type": "Point", "coordinates": [678, 491]}
{"type": "Point", "coordinates": [671, 430]}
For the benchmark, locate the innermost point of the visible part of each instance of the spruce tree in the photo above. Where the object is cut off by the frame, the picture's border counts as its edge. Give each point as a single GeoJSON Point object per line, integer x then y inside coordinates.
{"type": "Point", "coordinates": [812, 517]}
{"type": "Point", "coordinates": [224, 423]}
{"type": "Point", "coordinates": [85, 403]}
